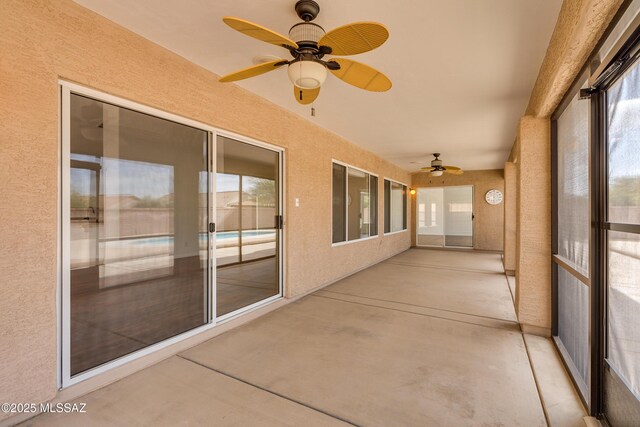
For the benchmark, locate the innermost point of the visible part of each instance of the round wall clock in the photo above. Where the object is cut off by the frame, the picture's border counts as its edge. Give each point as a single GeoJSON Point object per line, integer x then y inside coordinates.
{"type": "Point", "coordinates": [493, 197]}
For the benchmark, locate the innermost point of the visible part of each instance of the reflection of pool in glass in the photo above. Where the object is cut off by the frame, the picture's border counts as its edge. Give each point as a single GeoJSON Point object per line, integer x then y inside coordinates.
{"type": "Point", "coordinates": [223, 235]}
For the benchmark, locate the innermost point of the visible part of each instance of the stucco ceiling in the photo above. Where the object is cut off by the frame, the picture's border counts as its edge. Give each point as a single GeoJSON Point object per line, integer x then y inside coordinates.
{"type": "Point", "coordinates": [462, 70]}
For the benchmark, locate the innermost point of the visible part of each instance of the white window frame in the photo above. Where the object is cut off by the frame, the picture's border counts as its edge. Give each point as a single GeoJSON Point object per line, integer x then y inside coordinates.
{"type": "Point", "coordinates": [64, 242]}
{"type": "Point", "coordinates": [406, 200]}
{"type": "Point", "coordinates": [346, 207]}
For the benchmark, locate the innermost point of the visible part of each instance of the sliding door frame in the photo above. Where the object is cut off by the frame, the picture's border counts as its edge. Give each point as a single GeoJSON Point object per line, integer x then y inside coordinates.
{"type": "Point", "coordinates": [63, 295]}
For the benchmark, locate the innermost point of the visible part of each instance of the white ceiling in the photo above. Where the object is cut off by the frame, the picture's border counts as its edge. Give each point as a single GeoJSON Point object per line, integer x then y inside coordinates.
{"type": "Point", "coordinates": [462, 70]}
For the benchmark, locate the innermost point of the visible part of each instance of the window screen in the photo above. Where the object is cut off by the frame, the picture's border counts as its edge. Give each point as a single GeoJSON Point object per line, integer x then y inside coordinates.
{"type": "Point", "coordinates": [573, 185]}
{"type": "Point", "coordinates": [572, 241]}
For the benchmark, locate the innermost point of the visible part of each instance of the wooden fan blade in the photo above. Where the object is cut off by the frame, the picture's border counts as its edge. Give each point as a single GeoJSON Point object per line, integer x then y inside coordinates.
{"type": "Point", "coordinates": [454, 172]}
{"type": "Point", "coordinates": [454, 168]}
{"type": "Point", "coordinates": [259, 32]}
{"type": "Point", "coordinates": [361, 75]}
{"type": "Point", "coordinates": [254, 70]}
{"type": "Point", "coordinates": [427, 169]}
{"type": "Point", "coordinates": [305, 96]}
{"type": "Point", "coordinates": [355, 38]}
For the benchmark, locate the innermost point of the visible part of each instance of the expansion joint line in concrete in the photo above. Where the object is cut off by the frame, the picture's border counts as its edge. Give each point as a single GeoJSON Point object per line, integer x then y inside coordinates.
{"type": "Point", "coordinates": [412, 312]}
{"type": "Point", "coordinates": [533, 371]}
{"type": "Point", "coordinates": [418, 305]}
{"type": "Point", "coordinates": [306, 405]}
{"type": "Point", "coordinates": [440, 267]}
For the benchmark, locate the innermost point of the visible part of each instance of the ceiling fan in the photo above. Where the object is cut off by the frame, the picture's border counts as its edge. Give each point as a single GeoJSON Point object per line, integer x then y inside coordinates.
{"type": "Point", "coordinates": [436, 168]}
{"type": "Point", "coordinates": [308, 43]}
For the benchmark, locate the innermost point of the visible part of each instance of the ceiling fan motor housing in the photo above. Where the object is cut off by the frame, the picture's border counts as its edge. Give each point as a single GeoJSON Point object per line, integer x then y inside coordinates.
{"type": "Point", "coordinates": [306, 34]}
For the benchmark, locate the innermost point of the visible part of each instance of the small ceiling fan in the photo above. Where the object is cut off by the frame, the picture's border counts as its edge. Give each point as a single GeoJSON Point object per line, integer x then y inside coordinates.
{"type": "Point", "coordinates": [308, 43]}
{"type": "Point", "coordinates": [436, 168]}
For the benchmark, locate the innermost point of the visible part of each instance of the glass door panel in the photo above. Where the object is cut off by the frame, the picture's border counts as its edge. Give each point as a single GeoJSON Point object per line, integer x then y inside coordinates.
{"type": "Point", "coordinates": [624, 307]}
{"type": "Point", "coordinates": [444, 216]}
{"type": "Point", "coordinates": [248, 236]}
{"type": "Point", "coordinates": [430, 217]}
{"type": "Point", "coordinates": [138, 231]}
{"type": "Point", "coordinates": [458, 216]}
{"type": "Point", "coordinates": [622, 379]}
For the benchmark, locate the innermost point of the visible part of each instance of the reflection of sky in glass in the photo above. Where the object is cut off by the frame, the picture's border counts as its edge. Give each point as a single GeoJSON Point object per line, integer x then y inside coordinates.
{"type": "Point", "coordinates": [202, 182]}
{"type": "Point", "coordinates": [226, 182]}
{"type": "Point", "coordinates": [624, 125]}
{"type": "Point", "coordinates": [81, 181]}
{"type": "Point", "coordinates": [84, 158]}
{"type": "Point", "coordinates": [139, 179]}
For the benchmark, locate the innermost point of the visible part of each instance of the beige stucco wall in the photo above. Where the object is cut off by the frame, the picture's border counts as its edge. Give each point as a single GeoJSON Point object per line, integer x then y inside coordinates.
{"type": "Point", "coordinates": [580, 26]}
{"type": "Point", "coordinates": [43, 41]}
{"type": "Point", "coordinates": [510, 217]}
{"type": "Point", "coordinates": [533, 224]}
{"type": "Point", "coordinates": [488, 225]}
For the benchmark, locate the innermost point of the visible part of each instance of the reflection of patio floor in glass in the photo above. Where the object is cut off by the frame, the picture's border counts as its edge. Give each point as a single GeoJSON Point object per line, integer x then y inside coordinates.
{"type": "Point", "coordinates": [112, 322]}
{"type": "Point", "coordinates": [244, 284]}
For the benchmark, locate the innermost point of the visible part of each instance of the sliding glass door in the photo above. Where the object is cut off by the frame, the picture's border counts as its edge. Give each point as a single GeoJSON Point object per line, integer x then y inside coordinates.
{"type": "Point", "coordinates": [445, 216]}
{"type": "Point", "coordinates": [622, 372]}
{"type": "Point", "coordinates": [249, 222]}
{"type": "Point", "coordinates": [168, 227]}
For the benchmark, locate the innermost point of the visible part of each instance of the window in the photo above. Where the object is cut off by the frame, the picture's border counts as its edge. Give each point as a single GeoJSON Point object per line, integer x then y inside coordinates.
{"type": "Point", "coordinates": [395, 206]}
{"type": "Point", "coordinates": [571, 246]}
{"type": "Point", "coordinates": [355, 204]}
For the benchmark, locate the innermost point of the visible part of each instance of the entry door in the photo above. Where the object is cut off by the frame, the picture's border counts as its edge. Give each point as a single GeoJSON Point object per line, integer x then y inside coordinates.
{"type": "Point", "coordinates": [445, 216]}
{"type": "Point", "coordinates": [249, 225]}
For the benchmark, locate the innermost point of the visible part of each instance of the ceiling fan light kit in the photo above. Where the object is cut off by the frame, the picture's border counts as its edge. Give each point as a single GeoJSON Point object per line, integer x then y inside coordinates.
{"type": "Point", "coordinates": [308, 43]}
{"type": "Point", "coordinates": [437, 169]}
{"type": "Point", "coordinates": [307, 74]}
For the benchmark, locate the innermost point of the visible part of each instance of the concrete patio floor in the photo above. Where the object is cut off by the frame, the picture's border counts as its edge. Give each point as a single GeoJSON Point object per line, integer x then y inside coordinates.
{"type": "Point", "coordinates": [426, 338]}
